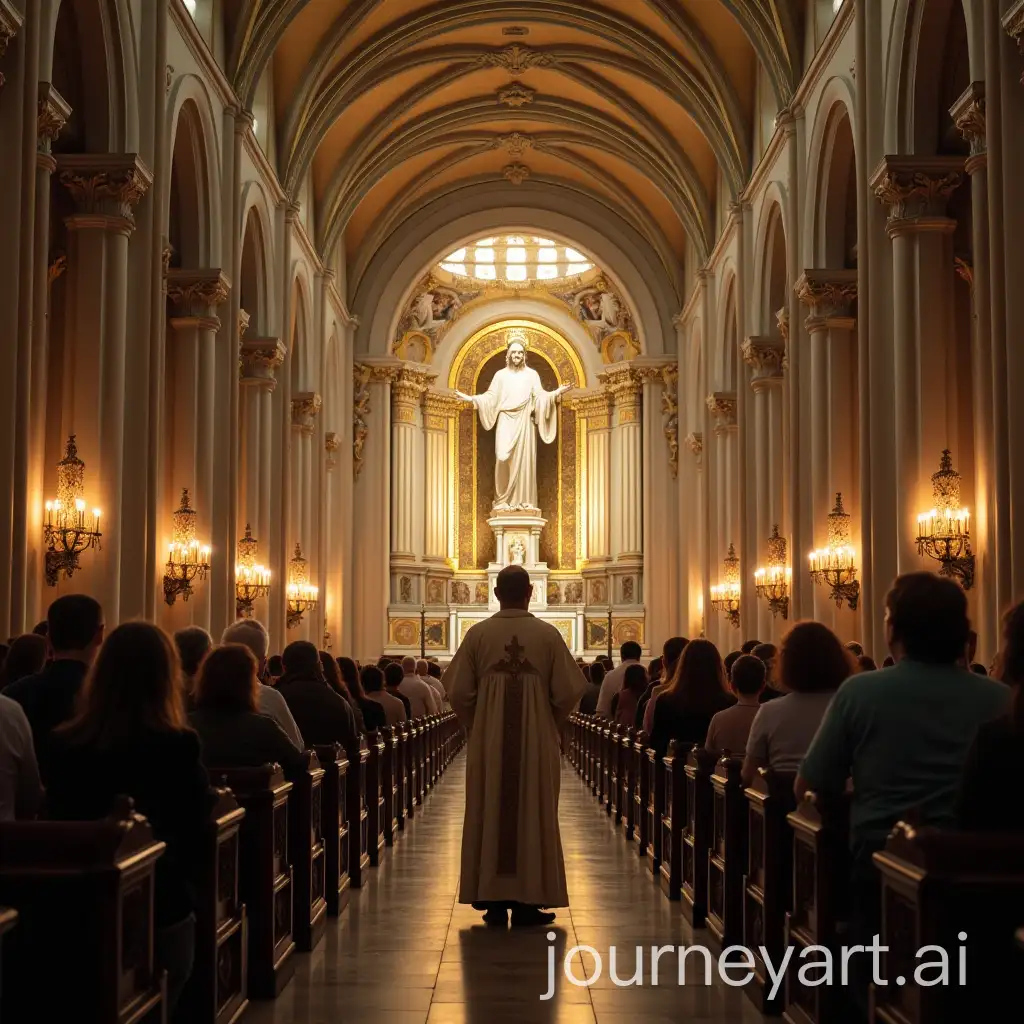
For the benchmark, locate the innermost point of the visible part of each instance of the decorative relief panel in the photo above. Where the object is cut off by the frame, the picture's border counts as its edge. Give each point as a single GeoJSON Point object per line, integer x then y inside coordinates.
{"type": "Point", "coordinates": [404, 632]}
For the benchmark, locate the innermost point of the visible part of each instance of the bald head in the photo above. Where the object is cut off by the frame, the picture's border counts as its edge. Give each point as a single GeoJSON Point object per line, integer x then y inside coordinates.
{"type": "Point", "coordinates": [409, 666]}
{"type": "Point", "coordinates": [513, 587]}
{"type": "Point", "coordinates": [422, 668]}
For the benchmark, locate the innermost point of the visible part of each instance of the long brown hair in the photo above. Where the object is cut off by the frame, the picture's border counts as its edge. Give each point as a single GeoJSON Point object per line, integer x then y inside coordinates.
{"type": "Point", "coordinates": [698, 682]}
{"type": "Point", "coordinates": [333, 676]}
{"type": "Point", "coordinates": [1012, 659]}
{"type": "Point", "coordinates": [228, 680]}
{"type": "Point", "coordinates": [350, 677]}
{"type": "Point", "coordinates": [134, 686]}
{"type": "Point", "coordinates": [813, 659]}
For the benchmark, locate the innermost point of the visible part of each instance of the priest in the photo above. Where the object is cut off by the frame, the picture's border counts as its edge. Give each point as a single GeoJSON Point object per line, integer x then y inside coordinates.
{"type": "Point", "coordinates": [513, 683]}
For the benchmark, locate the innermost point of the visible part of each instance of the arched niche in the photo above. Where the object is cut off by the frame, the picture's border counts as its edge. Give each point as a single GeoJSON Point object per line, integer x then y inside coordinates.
{"type": "Point", "coordinates": [772, 269]}
{"type": "Point", "coordinates": [301, 347]}
{"type": "Point", "coordinates": [832, 206]}
{"type": "Point", "coordinates": [253, 282]}
{"type": "Point", "coordinates": [729, 344]}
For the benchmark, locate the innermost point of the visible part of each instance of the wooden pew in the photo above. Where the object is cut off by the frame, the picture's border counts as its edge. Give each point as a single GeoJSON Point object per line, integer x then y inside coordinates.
{"type": "Point", "coordinates": [627, 781]}
{"type": "Point", "coordinates": [597, 757]}
{"type": "Point", "coordinates": [358, 833]}
{"type": "Point", "coordinates": [401, 773]}
{"type": "Point", "coordinates": [655, 806]}
{"type": "Point", "coordinates": [768, 883]}
{"type": "Point", "coordinates": [673, 815]}
{"type": "Point", "coordinates": [641, 782]}
{"type": "Point", "coordinates": [416, 768]}
{"type": "Point", "coordinates": [935, 886]}
{"type": "Point", "coordinates": [217, 991]}
{"type": "Point", "coordinates": [696, 837]}
{"type": "Point", "coordinates": [411, 775]}
{"type": "Point", "coordinates": [334, 823]}
{"type": "Point", "coordinates": [821, 872]}
{"type": "Point", "coordinates": [83, 894]}
{"type": "Point", "coordinates": [8, 920]}
{"type": "Point", "coordinates": [727, 857]}
{"type": "Point", "coordinates": [374, 796]}
{"type": "Point", "coordinates": [605, 783]}
{"type": "Point", "coordinates": [389, 784]}
{"type": "Point", "coordinates": [611, 804]}
{"type": "Point", "coordinates": [266, 874]}
{"type": "Point", "coordinates": [308, 855]}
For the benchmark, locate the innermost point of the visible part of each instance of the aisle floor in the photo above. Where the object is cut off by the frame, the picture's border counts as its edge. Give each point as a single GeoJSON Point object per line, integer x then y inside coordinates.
{"type": "Point", "coordinates": [406, 952]}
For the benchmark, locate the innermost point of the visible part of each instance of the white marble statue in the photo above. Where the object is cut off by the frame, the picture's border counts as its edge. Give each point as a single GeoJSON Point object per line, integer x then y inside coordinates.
{"type": "Point", "coordinates": [520, 407]}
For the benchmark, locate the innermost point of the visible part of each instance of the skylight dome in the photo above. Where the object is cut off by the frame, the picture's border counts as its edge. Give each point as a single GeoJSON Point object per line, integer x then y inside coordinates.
{"type": "Point", "coordinates": [517, 259]}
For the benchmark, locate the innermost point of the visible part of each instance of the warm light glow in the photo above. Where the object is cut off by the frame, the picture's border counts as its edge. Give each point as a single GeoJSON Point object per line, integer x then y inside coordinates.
{"type": "Point", "coordinates": [515, 273]}
{"type": "Point", "coordinates": [484, 272]}
{"type": "Point", "coordinates": [515, 254]}
{"type": "Point", "coordinates": [190, 6]}
{"type": "Point", "coordinates": [484, 255]}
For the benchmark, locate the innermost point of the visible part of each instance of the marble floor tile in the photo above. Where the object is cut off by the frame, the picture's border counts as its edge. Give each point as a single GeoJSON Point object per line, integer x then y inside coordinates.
{"type": "Point", "coordinates": [406, 952]}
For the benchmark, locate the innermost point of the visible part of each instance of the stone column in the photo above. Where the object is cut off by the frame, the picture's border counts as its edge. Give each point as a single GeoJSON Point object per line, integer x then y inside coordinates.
{"type": "Point", "coordinates": [105, 188]}
{"type": "Point", "coordinates": [764, 357]}
{"type": "Point", "coordinates": [439, 412]}
{"type": "Point", "coordinates": [305, 407]}
{"type": "Point", "coordinates": [695, 532]}
{"type": "Point", "coordinates": [594, 410]}
{"type": "Point", "coordinates": [331, 570]}
{"type": "Point", "coordinates": [968, 114]}
{"type": "Point", "coordinates": [829, 295]}
{"type": "Point", "coordinates": [407, 459]}
{"type": "Point", "coordinates": [721, 406]}
{"type": "Point", "coordinates": [915, 190]}
{"type": "Point", "coordinates": [260, 358]}
{"type": "Point", "coordinates": [53, 112]}
{"type": "Point", "coordinates": [624, 385]}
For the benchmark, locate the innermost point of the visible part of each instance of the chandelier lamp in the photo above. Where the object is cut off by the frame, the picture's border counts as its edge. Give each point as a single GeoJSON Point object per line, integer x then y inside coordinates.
{"type": "Point", "coordinates": [67, 530]}
{"type": "Point", "coordinates": [944, 532]}
{"type": "Point", "coordinates": [251, 580]}
{"type": "Point", "coordinates": [771, 582]}
{"type": "Point", "coordinates": [835, 566]}
{"type": "Point", "coordinates": [187, 559]}
{"type": "Point", "coordinates": [302, 596]}
{"type": "Point", "coordinates": [725, 597]}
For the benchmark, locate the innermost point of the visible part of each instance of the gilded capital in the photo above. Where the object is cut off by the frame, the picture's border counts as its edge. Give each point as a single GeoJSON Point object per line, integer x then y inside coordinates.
{"type": "Point", "coordinates": [782, 319]}
{"type": "Point", "coordinates": [105, 184]}
{"type": "Point", "coordinates": [260, 358]}
{"type": "Point", "coordinates": [305, 406]}
{"type": "Point", "coordinates": [827, 293]}
{"type": "Point", "coordinates": [968, 115]}
{"type": "Point", "coordinates": [764, 356]}
{"type": "Point", "coordinates": [52, 114]}
{"type": "Point", "coordinates": [438, 408]}
{"type": "Point", "coordinates": [197, 292]}
{"type": "Point", "coordinates": [1013, 23]}
{"type": "Point", "coordinates": [243, 323]}
{"type": "Point", "coordinates": [915, 187]}
{"type": "Point", "coordinates": [722, 406]}
{"type": "Point", "coordinates": [695, 442]}
{"type": "Point", "coordinates": [332, 442]}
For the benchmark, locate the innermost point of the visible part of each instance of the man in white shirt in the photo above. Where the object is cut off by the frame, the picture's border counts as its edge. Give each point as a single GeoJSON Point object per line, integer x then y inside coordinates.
{"type": "Point", "coordinates": [20, 788]}
{"type": "Point", "coordinates": [630, 652]}
{"type": "Point", "coordinates": [253, 634]}
{"type": "Point", "coordinates": [423, 671]}
{"type": "Point", "coordinates": [421, 696]}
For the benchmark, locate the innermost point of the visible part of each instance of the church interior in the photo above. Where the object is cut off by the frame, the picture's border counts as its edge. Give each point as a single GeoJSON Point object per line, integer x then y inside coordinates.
{"type": "Point", "coordinates": [319, 314]}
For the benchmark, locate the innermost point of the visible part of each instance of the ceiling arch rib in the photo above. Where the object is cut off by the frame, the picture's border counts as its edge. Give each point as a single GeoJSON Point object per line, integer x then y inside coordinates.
{"type": "Point", "coordinates": [465, 60]}
{"type": "Point", "coordinates": [712, 113]}
{"type": "Point", "coordinates": [773, 35]}
{"type": "Point", "coordinates": [376, 154]}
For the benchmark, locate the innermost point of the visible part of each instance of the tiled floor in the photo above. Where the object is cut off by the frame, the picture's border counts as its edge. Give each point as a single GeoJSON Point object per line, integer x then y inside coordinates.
{"type": "Point", "coordinates": [405, 952]}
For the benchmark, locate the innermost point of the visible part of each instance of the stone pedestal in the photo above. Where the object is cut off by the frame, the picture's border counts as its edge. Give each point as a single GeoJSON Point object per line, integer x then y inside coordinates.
{"type": "Point", "coordinates": [517, 537]}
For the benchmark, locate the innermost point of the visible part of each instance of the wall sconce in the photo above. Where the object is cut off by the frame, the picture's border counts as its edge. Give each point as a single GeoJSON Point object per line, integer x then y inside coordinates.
{"type": "Point", "coordinates": [944, 532]}
{"type": "Point", "coordinates": [725, 597]}
{"type": "Point", "coordinates": [835, 564]}
{"type": "Point", "coordinates": [301, 595]}
{"type": "Point", "coordinates": [772, 582]}
{"type": "Point", "coordinates": [187, 560]}
{"type": "Point", "coordinates": [251, 580]}
{"type": "Point", "coordinates": [67, 532]}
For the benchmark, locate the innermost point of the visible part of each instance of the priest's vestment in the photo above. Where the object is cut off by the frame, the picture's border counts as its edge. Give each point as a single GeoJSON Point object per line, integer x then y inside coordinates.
{"type": "Point", "coordinates": [513, 683]}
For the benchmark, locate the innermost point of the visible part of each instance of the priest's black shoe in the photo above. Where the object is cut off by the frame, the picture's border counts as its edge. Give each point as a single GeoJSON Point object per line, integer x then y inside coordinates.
{"type": "Point", "coordinates": [523, 917]}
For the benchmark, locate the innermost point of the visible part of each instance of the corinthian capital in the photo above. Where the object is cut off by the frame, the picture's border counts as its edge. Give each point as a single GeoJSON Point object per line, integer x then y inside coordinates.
{"type": "Point", "coordinates": [764, 356]}
{"type": "Point", "coordinates": [260, 358]}
{"type": "Point", "coordinates": [108, 184]}
{"type": "Point", "coordinates": [914, 187]}
{"type": "Point", "coordinates": [695, 442]}
{"type": "Point", "coordinates": [968, 115]}
{"type": "Point", "coordinates": [305, 406]}
{"type": "Point", "coordinates": [52, 114]}
{"type": "Point", "coordinates": [722, 406]}
{"type": "Point", "coordinates": [197, 292]}
{"type": "Point", "coordinates": [827, 293]}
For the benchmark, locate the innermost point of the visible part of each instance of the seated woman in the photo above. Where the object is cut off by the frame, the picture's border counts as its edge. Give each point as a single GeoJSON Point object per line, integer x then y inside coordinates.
{"type": "Point", "coordinates": [372, 679]}
{"type": "Point", "coordinates": [374, 716]}
{"type": "Point", "coordinates": [634, 683]}
{"type": "Point", "coordinates": [338, 683]}
{"type": "Point", "coordinates": [130, 737]}
{"type": "Point", "coordinates": [998, 749]}
{"type": "Point", "coordinates": [233, 734]}
{"type": "Point", "coordinates": [811, 665]}
{"type": "Point", "coordinates": [25, 657]}
{"type": "Point", "coordinates": [730, 728]}
{"type": "Point", "coordinates": [695, 694]}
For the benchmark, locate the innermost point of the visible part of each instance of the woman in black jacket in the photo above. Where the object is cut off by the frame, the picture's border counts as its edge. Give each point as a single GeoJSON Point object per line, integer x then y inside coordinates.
{"type": "Point", "coordinates": [374, 715]}
{"type": "Point", "coordinates": [130, 737]}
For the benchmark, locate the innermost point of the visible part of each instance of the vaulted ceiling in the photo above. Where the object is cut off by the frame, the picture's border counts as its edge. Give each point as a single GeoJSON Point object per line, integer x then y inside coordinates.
{"type": "Point", "coordinates": [394, 103]}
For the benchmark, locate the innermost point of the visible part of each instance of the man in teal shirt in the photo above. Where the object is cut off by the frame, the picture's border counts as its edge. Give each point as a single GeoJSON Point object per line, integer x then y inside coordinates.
{"type": "Point", "coordinates": [901, 734]}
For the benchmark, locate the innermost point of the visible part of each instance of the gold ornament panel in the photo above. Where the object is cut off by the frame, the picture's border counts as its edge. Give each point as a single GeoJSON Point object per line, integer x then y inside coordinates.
{"type": "Point", "coordinates": [404, 632]}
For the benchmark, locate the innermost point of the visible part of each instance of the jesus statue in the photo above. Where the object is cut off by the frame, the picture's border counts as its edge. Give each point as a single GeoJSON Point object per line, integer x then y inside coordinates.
{"type": "Point", "coordinates": [517, 402]}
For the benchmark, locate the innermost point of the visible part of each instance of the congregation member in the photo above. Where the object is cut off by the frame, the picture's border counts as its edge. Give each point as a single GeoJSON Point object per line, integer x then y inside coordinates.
{"type": "Point", "coordinates": [634, 684]}
{"type": "Point", "coordinates": [275, 669]}
{"type": "Point", "coordinates": [749, 645]}
{"type": "Point", "coordinates": [193, 644]}
{"type": "Point", "coordinates": [671, 652]}
{"type": "Point", "coordinates": [373, 686]}
{"type": "Point", "coordinates": [321, 714]}
{"type": "Point", "coordinates": [697, 692]}
{"type": "Point", "coordinates": [588, 702]}
{"type": "Point", "coordinates": [513, 684]}
{"type": "Point", "coordinates": [130, 737]}
{"type": "Point", "coordinates": [728, 731]}
{"type": "Point", "coordinates": [373, 715]}
{"type": "Point", "coordinates": [424, 673]}
{"type": "Point", "coordinates": [253, 634]}
{"type": "Point", "coordinates": [768, 654]}
{"type": "Point", "coordinates": [393, 676]}
{"type": "Point", "coordinates": [25, 657]}
{"type": "Point", "coordinates": [630, 653]}
{"type": "Point", "coordinates": [337, 683]}
{"type": "Point", "coordinates": [232, 732]}
{"type": "Point", "coordinates": [20, 788]}
{"type": "Point", "coordinates": [420, 695]}
{"type": "Point", "coordinates": [901, 734]}
{"type": "Point", "coordinates": [812, 665]}
{"type": "Point", "coordinates": [74, 633]}
{"type": "Point", "coordinates": [729, 660]}
{"type": "Point", "coordinates": [997, 751]}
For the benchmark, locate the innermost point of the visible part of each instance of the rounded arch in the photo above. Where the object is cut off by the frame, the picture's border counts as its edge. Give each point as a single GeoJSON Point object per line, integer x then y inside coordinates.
{"type": "Point", "coordinates": [193, 191]}
{"type": "Point", "coordinates": [771, 269]}
{"type": "Point", "coordinates": [256, 295]}
{"type": "Point", "coordinates": [728, 332]}
{"type": "Point", "coordinates": [831, 210]}
{"type": "Point", "coordinates": [300, 332]}
{"type": "Point", "coordinates": [332, 413]}
{"type": "Point", "coordinates": [436, 229]}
